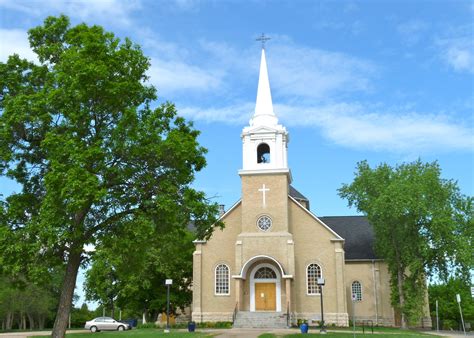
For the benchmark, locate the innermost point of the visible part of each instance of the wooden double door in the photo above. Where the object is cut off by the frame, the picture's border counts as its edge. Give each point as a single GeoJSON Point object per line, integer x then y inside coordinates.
{"type": "Point", "coordinates": [265, 296]}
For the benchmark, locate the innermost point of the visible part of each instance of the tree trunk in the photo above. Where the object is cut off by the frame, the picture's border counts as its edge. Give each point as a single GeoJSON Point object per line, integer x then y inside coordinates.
{"type": "Point", "coordinates": [41, 320]}
{"type": "Point", "coordinates": [400, 281]}
{"type": "Point", "coordinates": [9, 321]}
{"type": "Point", "coordinates": [31, 319]}
{"type": "Point", "coordinates": [67, 292]}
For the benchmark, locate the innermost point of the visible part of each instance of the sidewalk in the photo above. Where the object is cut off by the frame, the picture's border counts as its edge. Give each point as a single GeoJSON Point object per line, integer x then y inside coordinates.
{"type": "Point", "coordinates": [34, 333]}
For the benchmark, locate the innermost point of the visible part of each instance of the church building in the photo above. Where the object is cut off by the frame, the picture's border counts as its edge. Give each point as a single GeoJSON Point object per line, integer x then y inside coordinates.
{"type": "Point", "coordinates": [264, 269]}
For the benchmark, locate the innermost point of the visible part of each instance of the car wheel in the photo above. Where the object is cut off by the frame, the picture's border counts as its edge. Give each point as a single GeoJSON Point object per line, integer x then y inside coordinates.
{"type": "Point", "coordinates": [94, 329]}
{"type": "Point", "coordinates": [121, 328]}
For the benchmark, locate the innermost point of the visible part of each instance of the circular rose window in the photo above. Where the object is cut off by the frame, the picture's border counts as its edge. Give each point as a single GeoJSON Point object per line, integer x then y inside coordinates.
{"type": "Point", "coordinates": [264, 223]}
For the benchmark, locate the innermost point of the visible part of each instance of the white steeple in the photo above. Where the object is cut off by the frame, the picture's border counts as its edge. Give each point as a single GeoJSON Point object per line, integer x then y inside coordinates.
{"type": "Point", "coordinates": [264, 140]}
{"type": "Point", "coordinates": [264, 114]}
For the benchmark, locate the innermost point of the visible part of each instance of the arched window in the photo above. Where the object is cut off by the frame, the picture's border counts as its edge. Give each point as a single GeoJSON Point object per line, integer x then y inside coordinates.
{"type": "Point", "coordinates": [265, 273]}
{"type": "Point", "coordinates": [313, 272]}
{"type": "Point", "coordinates": [263, 153]}
{"type": "Point", "coordinates": [222, 279]}
{"type": "Point", "coordinates": [356, 291]}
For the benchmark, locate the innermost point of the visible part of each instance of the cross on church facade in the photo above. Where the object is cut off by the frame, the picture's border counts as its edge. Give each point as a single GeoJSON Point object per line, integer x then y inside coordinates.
{"type": "Point", "coordinates": [263, 190]}
{"type": "Point", "coordinates": [263, 39]}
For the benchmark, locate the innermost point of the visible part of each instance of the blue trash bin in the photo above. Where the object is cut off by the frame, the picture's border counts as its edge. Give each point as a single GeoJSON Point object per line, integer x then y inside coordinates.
{"type": "Point", "coordinates": [191, 326]}
{"type": "Point", "coordinates": [304, 328]}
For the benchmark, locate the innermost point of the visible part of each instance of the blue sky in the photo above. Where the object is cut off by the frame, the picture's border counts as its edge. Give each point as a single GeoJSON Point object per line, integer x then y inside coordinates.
{"type": "Point", "coordinates": [386, 81]}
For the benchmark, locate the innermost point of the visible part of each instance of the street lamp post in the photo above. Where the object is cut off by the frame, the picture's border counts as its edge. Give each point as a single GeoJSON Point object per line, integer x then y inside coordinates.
{"type": "Point", "coordinates": [321, 283]}
{"type": "Point", "coordinates": [168, 283]}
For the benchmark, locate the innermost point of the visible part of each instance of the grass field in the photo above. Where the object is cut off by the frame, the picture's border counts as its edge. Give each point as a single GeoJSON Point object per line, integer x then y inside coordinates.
{"type": "Point", "coordinates": [158, 333]}
{"type": "Point", "coordinates": [140, 333]}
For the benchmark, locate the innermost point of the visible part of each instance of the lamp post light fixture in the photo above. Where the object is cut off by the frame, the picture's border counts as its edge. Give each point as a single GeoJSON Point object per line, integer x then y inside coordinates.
{"type": "Point", "coordinates": [321, 283]}
{"type": "Point", "coordinates": [168, 283]}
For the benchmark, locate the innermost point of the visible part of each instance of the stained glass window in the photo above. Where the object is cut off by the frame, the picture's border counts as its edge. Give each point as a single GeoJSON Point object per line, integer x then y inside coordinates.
{"type": "Point", "coordinates": [313, 273]}
{"type": "Point", "coordinates": [265, 273]}
{"type": "Point", "coordinates": [356, 291]}
{"type": "Point", "coordinates": [222, 279]}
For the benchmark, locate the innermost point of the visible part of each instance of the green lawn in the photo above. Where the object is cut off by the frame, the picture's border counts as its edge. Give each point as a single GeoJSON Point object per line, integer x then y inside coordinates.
{"type": "Point", "coordinates": [347, 335]}
{"type": "Point", "coordinates": [139, 333]}
{"type": "Point", "coordinates": [393, 334]}
{"type": "Point", "coordinates": [158, 333]}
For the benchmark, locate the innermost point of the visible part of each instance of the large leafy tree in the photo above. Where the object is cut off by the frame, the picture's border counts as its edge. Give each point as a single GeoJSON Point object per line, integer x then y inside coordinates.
{"type": "Point", "coordinates": [79, 134]}
{"type": "Point", "coordinates": [423, 226]}
{"type": "Point", "coordinates": [135, 280]}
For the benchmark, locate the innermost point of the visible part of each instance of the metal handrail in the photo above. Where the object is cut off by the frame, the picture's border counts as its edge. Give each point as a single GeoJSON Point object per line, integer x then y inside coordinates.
{"type": "Point", "coordinates": [371, 325]}
{"type": "Point", "coordinates": [234, 315]}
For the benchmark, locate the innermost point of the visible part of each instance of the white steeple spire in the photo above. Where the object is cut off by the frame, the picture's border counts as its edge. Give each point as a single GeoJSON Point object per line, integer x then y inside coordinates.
{"type": "Point", "coordinates": [264, 114]}
{"type": "Point", "coordinates": [264, 141]}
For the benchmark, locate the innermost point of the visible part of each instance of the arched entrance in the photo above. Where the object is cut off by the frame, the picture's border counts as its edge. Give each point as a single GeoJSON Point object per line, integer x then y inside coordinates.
{"type": "Point", "coordinates": [265, 288]}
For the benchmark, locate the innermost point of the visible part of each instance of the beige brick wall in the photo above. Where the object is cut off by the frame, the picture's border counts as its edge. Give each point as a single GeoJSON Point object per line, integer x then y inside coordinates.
{"type": "Point", "coordinates": [314, 243]}
{"type": "Point", "coordinates": [219, 249]}
{"type": "Point", "coordinates": [276, 205]}
{"type": "Point", "coordinates": [375, 304]}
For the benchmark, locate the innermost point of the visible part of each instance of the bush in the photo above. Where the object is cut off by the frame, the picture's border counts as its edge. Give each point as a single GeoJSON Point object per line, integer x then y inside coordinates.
{"type": "Point", "coordinates": [449, 324]}
{"type": "Point", "coordinates": [301, 321]}
{"type": "Point", "coordinates": [214, 325]}
{"type": "Point", "coordinates": [147, 326]}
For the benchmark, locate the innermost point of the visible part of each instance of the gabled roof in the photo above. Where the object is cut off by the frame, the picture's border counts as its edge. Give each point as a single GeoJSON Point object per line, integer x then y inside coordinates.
{"type": "Point", "coordinates": [297, 195]}
{"type": "Point", "coordinates": [337, 236]}
{"type": "Point", "coordinates": [358, 234]}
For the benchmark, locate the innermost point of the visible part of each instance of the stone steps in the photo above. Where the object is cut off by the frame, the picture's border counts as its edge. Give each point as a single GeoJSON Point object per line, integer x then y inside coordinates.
{"type": "Point", "coordinates": [246, 319]}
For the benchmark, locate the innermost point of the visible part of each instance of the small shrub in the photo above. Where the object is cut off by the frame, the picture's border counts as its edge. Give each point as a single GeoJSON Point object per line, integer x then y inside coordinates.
{"type": "Point", "coordinates": [223, 325]}
{"type": "Point", "coordinates": [301, 321]}
{"type": "Point", "coordinates": [214, 325]}
{"type": "Point", "coordinates": [449, 324]}
{"type": "Point", "coordinates": [147, 326]}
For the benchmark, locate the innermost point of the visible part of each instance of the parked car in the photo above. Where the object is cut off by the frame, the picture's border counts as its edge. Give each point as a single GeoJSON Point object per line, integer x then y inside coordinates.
{"type": "Point", "coordinates": [105, 323]}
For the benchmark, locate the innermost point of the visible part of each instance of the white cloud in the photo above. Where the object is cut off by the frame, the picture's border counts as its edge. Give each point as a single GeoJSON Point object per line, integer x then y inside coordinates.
{"type": "Point", "coordinates": [315, 73]}
{"type": "Point", "coordinates": [15, 41]}
{"type": "Point", "coordinates": [383, 129]}
{"type": "Point", "coordinates": [412, 31]}
{"type": "Point", "coordinates": [238, 114]}
{"type": "Point", "coordinates": [171, 76]}
{"type": "Point", "coordinates": [115, 12]}
{"type": "Point", "coordinates": [457, 49]}
{"type": "Point", "coordinates": [459, 54]}
{"type": "Point", "coordinates": [359, 126]}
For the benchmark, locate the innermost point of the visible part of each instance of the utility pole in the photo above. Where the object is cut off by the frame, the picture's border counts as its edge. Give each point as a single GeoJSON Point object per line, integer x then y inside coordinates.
{"type": "Point", "coordinates": [354, 299]}
{"type": "Point", "coordinates": [168, 283]}
{"type": "Point", "coordinates": [437, 317]}
{"type": "Point", "coordinates": [458, 299]}
{"type": "Point", "coordinates": [321, 283]}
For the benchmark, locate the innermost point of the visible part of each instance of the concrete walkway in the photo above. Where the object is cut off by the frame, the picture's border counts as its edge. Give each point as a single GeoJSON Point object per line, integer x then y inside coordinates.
{"type": "Point", "coordinates": [453, 334]}
{"type": "Point", "coordinates": [34, 333]}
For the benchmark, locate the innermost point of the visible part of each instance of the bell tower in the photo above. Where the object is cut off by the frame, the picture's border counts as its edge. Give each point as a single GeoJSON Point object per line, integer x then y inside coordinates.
{"type": "Point", "coordinates": [264, 140]}
{"type": "Point", "coordinates": [265, 174]}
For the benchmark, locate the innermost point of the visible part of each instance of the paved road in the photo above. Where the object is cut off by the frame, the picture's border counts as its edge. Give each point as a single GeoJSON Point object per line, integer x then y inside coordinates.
{"type": "Point", "coordinates": [33, 333]}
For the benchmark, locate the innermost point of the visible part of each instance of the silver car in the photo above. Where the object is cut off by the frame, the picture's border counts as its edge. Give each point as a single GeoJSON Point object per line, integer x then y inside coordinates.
{"type": "Point", "coordinates": [105, 323]}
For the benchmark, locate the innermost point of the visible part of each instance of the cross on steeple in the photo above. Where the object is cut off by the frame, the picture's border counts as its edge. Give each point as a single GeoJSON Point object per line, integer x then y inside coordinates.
{"type": "Point", "coordinates": [263, 39]}
{"type": "Point", "coordinates": [263, 190]}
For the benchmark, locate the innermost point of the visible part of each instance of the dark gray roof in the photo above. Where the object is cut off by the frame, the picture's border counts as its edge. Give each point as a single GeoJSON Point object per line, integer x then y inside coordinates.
{"type": "Point", "coordinates": [357, 232]}
{"type": "Point", "coordinates": [296, 194]}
